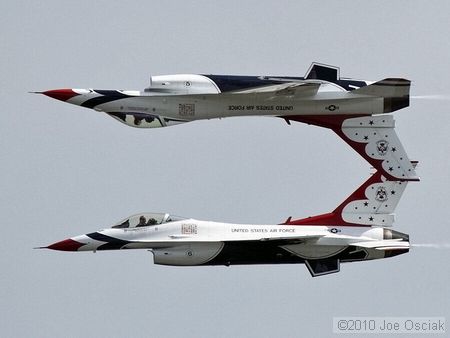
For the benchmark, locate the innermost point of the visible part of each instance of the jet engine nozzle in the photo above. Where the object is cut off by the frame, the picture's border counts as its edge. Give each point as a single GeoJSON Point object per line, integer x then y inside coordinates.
{"type": "Point", "coordinates": [392, 234]}
{"type": "Point", "coordinates": [395, 252]}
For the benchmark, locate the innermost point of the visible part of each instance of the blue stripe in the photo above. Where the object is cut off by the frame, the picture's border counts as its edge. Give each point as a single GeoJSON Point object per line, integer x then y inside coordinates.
{"type": "Point", "coordinates": [108, 96]}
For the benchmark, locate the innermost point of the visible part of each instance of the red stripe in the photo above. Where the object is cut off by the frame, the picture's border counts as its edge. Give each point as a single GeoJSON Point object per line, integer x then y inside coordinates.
{"type": "Point", "coordinates": [66, 245]}
{"type": "Point", "coordinates": [61, 94]}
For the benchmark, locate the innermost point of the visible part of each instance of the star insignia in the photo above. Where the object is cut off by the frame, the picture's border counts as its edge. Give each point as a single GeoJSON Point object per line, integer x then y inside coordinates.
{"type": "Point", "coordinates": [371, 218]}
{"type": "Point", "coordinates": [371, 122]}
{"type": "Point", "coordinates": [366, 204]}
{"type": "Point", "coordinates": [366, 138]}
{"type": "Point", "coordinates": [390, 169]}
{"type": "Point", "coordinates": [394, 149]}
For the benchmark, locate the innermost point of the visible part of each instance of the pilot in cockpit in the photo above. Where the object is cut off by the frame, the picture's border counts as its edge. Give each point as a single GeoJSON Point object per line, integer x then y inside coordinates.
{"type": "Point", "coordinates": [142, 222]}
{"type": "Point", "coordinates": [152, 221]}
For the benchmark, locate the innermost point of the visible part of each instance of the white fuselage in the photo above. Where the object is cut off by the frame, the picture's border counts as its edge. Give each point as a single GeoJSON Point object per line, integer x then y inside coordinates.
{"type": "Point", "coordinates": [191, 230]}
{"type": "Point", "coordinates": [203, 100]}
{"type": "Point", "coordinates": [194, 242]}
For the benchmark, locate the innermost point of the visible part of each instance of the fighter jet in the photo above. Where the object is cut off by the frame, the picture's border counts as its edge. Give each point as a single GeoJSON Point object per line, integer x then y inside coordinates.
{"type": "Point", "coordinates": [321, 98]}
{"type": "Point", "coordinates": [357, 230]}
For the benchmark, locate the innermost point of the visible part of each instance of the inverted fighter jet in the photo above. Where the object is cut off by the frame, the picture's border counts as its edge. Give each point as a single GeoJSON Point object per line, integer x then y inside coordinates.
{"type": "Point", "coordinates": [357, 230]}
{"type": "Point", "coordinates": [321, 98]}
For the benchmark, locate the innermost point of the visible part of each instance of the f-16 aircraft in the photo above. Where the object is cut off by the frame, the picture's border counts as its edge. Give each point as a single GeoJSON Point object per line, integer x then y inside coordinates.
{"type": "Point", "coordinates": [321, 98]}
{"type": "Point", "coordinates": [357, 230]}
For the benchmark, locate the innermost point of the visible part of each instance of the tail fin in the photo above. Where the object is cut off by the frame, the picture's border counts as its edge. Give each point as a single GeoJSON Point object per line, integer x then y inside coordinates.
{"type": "Point", "coordinates": [372, 204]}
{"type": "Point", "coordinates": [373, 137]}
{"type": "Point", "coordinates": [394, 91]}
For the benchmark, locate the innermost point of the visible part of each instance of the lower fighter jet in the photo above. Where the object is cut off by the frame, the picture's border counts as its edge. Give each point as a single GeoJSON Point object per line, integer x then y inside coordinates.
{"type": "Point", "coordinates": [357, 230]}
{"type": "Point", "coordinates": [321, 98]}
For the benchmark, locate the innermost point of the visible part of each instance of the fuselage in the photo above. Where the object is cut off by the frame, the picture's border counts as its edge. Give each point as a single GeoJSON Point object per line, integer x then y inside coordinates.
{"type": "Point", "coordinates": [184, 241]}
{"type": "Point", "coordinates": [174, 99]}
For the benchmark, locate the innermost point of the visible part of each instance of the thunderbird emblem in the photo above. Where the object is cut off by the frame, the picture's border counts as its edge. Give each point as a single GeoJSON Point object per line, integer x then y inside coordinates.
{"type": "Point", "coordinates": [381, 194]}
{"type": "Point", "coordinates": [382, 147]}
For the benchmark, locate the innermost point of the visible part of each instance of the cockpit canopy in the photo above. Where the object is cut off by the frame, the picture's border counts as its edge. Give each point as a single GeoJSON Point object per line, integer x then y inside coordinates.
{"type": "Point", "coordinates": [146, 219]}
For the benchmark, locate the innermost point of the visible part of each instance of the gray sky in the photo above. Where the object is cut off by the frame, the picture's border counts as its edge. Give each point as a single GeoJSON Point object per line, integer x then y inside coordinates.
{"type": "Point", "coordinates": [66, 170]}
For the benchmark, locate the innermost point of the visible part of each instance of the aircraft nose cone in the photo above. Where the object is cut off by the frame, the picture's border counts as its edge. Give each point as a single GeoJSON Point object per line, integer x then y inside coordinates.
{"type": "Point", "coordinates": [66, 245]}
{"type": "Point", "coordinates": [60, 94]}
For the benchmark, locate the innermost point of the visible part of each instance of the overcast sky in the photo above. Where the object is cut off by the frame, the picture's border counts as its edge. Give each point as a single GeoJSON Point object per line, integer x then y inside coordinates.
{"type": "Point", "coordinates": [67, 170]}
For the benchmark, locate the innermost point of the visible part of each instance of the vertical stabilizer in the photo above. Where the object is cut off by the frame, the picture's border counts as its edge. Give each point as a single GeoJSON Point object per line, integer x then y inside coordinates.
{"type": "Point", "coordinates": [372, 204]}
{"type": "Point", "coordinates": [373, 137]}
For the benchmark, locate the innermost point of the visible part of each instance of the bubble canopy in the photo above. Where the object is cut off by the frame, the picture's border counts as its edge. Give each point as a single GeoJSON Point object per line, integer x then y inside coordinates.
{"type": "Point", "coordinates": [146, 219]}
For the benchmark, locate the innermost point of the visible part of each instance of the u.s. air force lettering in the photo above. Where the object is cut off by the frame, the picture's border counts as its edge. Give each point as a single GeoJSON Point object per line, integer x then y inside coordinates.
{"type": "Point", "coordinates": [260, 107]}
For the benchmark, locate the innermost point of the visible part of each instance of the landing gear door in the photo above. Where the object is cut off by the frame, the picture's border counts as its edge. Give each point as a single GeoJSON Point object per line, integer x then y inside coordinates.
{"type": "Point", "coordinates": [320, 267]}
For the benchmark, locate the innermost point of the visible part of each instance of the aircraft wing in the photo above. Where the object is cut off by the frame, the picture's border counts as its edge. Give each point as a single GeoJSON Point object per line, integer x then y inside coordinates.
{"type": "Point", "coordinates": [285, 240]}
{"type": "Point", "coordinates": [288, 240]}
{"type": "Point", "coordinates": [294, 239]}
{"type": "Point", "coordinates": [284, 89]}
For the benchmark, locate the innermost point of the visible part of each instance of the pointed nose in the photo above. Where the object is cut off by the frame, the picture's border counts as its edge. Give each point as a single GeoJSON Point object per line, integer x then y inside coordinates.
{"type": "Point", "coordinates": [61, 94]}
{"type": "Point", "coordinates": [66, 245]}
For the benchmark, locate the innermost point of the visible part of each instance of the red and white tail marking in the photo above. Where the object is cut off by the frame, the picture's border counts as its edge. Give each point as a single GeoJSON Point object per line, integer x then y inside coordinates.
{"type": "Point", "coordinates": [372, 204]}
{"type": "Point", "coordinates": [373, 137]}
